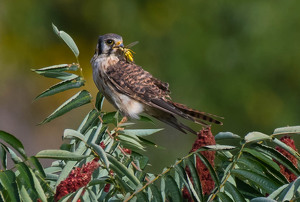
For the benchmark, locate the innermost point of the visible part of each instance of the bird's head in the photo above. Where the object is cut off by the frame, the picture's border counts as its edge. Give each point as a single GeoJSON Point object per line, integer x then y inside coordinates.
{"type": "Point", "coordinates": [109, 44]}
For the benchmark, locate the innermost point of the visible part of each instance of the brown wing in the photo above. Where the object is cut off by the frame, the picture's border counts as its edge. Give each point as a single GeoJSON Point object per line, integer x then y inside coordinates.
{"type": "Point", "coordinates": [132, 80]}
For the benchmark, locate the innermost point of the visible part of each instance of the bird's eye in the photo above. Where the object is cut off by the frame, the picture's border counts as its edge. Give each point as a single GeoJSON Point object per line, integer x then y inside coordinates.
{"type": "Point", "coordinates": [110, 42]}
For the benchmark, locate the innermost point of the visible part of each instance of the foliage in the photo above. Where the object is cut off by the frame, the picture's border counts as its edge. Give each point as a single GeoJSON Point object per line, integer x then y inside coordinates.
{"type": "Point", "coordinates": [103, 159]}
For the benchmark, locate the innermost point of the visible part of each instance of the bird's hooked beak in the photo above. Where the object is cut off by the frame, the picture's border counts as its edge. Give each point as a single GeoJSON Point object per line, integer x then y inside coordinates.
{"type": "Point", "coordinates": [118, 44]}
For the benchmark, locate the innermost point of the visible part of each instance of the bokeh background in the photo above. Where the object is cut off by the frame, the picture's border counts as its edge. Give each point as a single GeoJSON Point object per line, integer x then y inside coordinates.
{"type": "Point", "coordinates": [237, 59]}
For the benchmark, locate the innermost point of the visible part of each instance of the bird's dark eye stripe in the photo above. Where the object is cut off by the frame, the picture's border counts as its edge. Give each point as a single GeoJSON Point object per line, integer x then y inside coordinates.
{"type": "Point", "coordinates": [109, 41]}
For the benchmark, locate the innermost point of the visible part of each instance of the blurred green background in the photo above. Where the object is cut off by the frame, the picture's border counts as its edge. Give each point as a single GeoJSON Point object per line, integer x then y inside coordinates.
{"type": "Point", "coordinates": [237, 59]}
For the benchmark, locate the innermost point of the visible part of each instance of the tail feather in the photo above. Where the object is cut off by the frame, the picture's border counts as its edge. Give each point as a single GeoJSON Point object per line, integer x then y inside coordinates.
{"type": "Point", "coordinates": [172, 121]}
{"type": "Point", "coordinates": [200, 116]}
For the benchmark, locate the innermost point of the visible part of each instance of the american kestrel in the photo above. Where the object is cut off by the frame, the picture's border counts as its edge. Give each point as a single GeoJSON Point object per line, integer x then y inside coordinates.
{"type": "Point", "coordinates": [132, 90]}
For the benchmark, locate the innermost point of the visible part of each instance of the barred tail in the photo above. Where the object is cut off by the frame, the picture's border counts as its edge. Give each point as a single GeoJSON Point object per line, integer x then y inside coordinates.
{"type": "Point", "coordinates": [199, 117]}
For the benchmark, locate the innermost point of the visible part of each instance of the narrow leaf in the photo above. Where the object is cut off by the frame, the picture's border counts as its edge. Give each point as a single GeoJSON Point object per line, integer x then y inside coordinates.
{"type": "Point", "coordinates": [25, 174]}
{"type": "Point", "coordinates": [195, 177]}
{"type": "Point", "coordinates": [262, 199]}
{"type": "Point", "coordinates": [278, 157]}
{"type": "Point", "coordinates": [287, 148]}
{"type": "Point", "coordinates": [156, 194]}
{"type": "Point", "coordinates": [62, 86]}
{"type": "Point", "coordinates": [78, 194]}
{"type": "Point", "coordinates": [172, 189]}
{"type": "Point", "coordinates": [81, 98]}
{"type": "Point", "coordinates": [57, 68]}
{"type": "Point", "coordinates": [226, 135]}
{"type": "Point", "coordinates": [3, 157]}
{"type": "Point", "coordinates": [262, 157]}
{"type": "Point", "coordinates": [67, 39]}
{"type": "Point", "coordinates": [99, 101]}
{"type": "Point", "coordinates": [58, 75]}
{"type": "Point", "coordinates": [276, 193]}
{"type": "Point", "coordinates": [216, 147]}
{"type": "Point", "coordinates": [289, 193]}
{"type": "Point", "coordinates": [256, 136]}
{"type": "Point", "coordinates": [123, 169]}
{"type": "Point", "coordinates": [210, 168]}
{"type": "Point", "coordinates": [89, 121]}
{"type": "Point", "coordinates": [140, 132]}
{"type": "Point", "coordinates": [59, 154]}
{"type": "Point", "coordinates": [259, 180]}
{"type": "Point", "coordinates": [287, 130]}
{"type": "Point", "coordinates": [24, 194]}
{"type": "Point", "coordinates": [101, 154]}
{"type": "Point", "coordinates": [13, 141]}
{"type": "Point", "coordinates": [37, 165]}
{"type": "Point", "coordinates": [8, 181]}
{"type": "Point", "coordinates": [224, 197]}
{"type": "Point", "coordinates": [69, 133]}
{"type": "Point", "coordinates": [38, 187]}
{"type": "Point", "coordinates": [237, 196]}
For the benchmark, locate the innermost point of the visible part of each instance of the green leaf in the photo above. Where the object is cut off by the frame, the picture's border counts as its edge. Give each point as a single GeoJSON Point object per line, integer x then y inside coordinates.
{"type": "Point", "coordinates": [237, 196]}
{"type": "Point", "coordinates": [226, 135]}
{"type": "Point", "coordinates": [148, 142]}
{"type": "Point", "coordinates": [3, 157]}
{"type": "Point", "coordinates": [259, 180]}
{"type": "Point", "coordinates": [216, 147]}
{"type": "Point", "coordinates": [13, 155]}
{"type": "Point", "coordinates": [195, 177]}
{"type": "Point", "coordinates": [130, 140]}
{"type": "Point", "coordinates": [67, 39]}
{"type": "Point", "coordinates": [78, 194]}
{"type": "Point", "coordinates": [70, 133]}
{"type": "Point", "coordinates": [37, 165]}
{"type": "Point", "coordinates": [38, 187]}
{"type": "Point", "coordinates": [8, 181]}
{"type": "Point", "coordinates": [81, 149]}
{"type": "Point", "coordinates": [13, 141]}
{"type": "Point", "coordinates": [89, 121]}
{"type": "Point", "coordinates": [24, 194]}
{"type": "Point", "coordinates": [81, 98]}
{"type": "Point", "coordinates": [123, 169]}
{"type": "Point", "coordinates": [287, 130]}
{"type": "Point", "coordinates": [156, 194]}
{"type": "Point", "coordinates": [290, 191]}
{"type": "Point", "coordinates": [172, 189]}
{"type": "Point", "coordinates": [59, 75]}
{"type": "Point", "coordinates": [139, 132]}
{"type": "Point", "coordinates": [276, 193]}
{"type": "Point", "coordinates": [111, 117]}
{"type": "Point", "coordinates": [256, 136]}
{"type": "Point", "coordinates": [287, 148]}
{"type": "Point", "coordinates": [247, 190]}
{"type": "Point", "coordinates": [99, 101]}
{"type": "Point", "coordinates": [60, 154]}
{"type": "Point", "coordinates": [25, 174]}
{"type": "Point", "coordinates": [262, 199]}
{"type": "Point", "coordinates": [278, 157]}
{"type": "Point", "coordinates": [57, 68]}
{"type": "Point", "coordinates": [262, 157]}
{"type": "Point", "coordinates": [183, 175]}
{"type": "Point", "coordinates": [224, 197]}
{"type": "Point", "coordinates": [210, 168]}
{"type": "Point", "coordinates": [101, 154]}
{"type": "Point", "coordinates": [62, 86]}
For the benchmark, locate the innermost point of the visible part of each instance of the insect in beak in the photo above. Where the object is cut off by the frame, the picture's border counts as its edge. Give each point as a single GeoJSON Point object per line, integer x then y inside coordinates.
{"type": "Point", "coordinates": [128, 53]}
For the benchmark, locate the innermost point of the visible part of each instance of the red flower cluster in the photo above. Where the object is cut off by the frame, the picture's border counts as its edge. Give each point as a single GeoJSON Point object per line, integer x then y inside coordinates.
{"type": "Point", "coordinates": [287, 173]}
{"type": "Point", "coordinates": [204, 138]}
{"type": "Point", "coordinates": [78, 178]}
